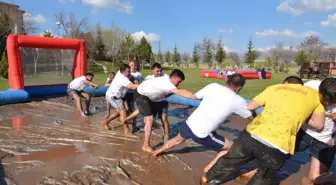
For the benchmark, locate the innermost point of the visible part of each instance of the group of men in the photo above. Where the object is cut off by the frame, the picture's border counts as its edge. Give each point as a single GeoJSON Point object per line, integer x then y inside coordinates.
{"type": "Point", "coordinates": [295, 116]}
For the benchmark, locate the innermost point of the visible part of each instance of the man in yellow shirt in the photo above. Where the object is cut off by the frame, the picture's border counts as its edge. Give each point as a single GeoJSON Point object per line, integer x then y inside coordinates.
{"type": "Point", "coordinates": [270, 137]}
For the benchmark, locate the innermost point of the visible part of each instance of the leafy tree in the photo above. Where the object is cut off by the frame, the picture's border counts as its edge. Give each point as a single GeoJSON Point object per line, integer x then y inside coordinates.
{"type": "Point", "coordinates": [251, 54]}
{"type": "Point", "coordinates": [99, 45]}
{"type": "Point", "coordinates": [301, 57]}
{"type": "Point", "coordinates": [4, 66]}
{"type": "Point", "coordinates": [195, 54]}
{"type": "Point", "coordinates": [5, 30]}
{"type": "Point", "coordinates": [176, 56]}
{"type": "Point", "coordinates": [144, 50]}
{"type": "Point", "coordinates": [127, 47]}
{"type": "Point", "coordinates": [167, 57]}
{"type": "Point", "coordinates": [220, 52]}
{"type": "Point", "coordinates": [160, 57]}
{"type": "Point", "coordinates": [313, 45]}
{"type": "Point", "coordinates": [234, 56]}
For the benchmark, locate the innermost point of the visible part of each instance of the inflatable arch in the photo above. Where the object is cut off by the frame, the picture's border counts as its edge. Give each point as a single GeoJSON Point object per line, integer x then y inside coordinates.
{"type": "Point", "coordinates": [18, 92]}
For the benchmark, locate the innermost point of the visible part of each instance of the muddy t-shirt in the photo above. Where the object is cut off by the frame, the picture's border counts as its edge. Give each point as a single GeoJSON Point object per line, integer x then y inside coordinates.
{"type": "Point", "coordinates": [286, 108]}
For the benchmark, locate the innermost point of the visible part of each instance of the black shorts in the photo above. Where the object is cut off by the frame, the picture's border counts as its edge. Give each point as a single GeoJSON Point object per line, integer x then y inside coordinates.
{"type": "Point", "coordinates": [145, 105]}
{"type": "Point", "coordinates": [160, 108]}
{"type": "Point", "coordinates": [321, 151]}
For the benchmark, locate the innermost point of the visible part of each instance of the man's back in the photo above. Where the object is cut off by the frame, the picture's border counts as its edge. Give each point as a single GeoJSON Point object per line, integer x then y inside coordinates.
{"type": "Point", "coordinates": [287, 107]}
{"type": "Point", "coordinates": [218, 102]}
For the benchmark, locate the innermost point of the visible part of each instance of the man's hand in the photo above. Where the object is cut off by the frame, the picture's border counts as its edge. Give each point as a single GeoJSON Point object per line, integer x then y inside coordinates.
{"type": "Point", "coordinates": [331, 116]}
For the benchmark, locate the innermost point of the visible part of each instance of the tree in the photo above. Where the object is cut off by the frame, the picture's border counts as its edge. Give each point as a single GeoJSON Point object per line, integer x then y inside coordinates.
{"type": "Point", "coordinates": [144, 50]}
{"type": "Point", "coordinates": [167, 57]}
{"type": "Point", "coordinates": [113, 38]}
{"type": "Point", "coordinates": [5, 30]}
{"type": "Point", "coordinates": [72, 28]}
{"type": "Point", "coordinates": [207, 47]}
{"type": "Point", "coordinates": [90, 43]}
{"type": "Point", "coordinates": [301, 58]}
{"type": "Point", "coordinates": [160, 57]}
{"type": "Point", "coordinates": [127, 47]}
{"type": "Point", "coordinates": [4, 66]}
{"type": "Point", "coordinates": [176, 56]}
{"type": "Point", "coordinates": [195, 54]}
{"type": "Point", "coordinates": [251, 54]}
{"type": "Point", "coordinates": [313, 45]}
{"type": "Point", "coordinates": [29, 26]}
{"type": "Point", "coordinates": [220, 52]}
{"type": "Point", "coordinates": [99, 46]}
{"type": "Point", "coordinates": [185, 56]}
{"type": "Point", "coordinates": [234, 56]}
{"type": "Point", "coordinates": [47, 33]}
{"type": "Point", "coordinates": [268, 62]}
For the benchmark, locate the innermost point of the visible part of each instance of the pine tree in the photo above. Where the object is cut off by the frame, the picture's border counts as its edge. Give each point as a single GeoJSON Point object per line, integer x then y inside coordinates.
{"type": "Point", "coordinates": [220, 52]}
{"type": "Point", "coordinates": [176, 56]}
{"type": "Point", "coordinates": [127, 47]}
{"type": "Point", "coordinates": [208, 51]}
{"type": "Point", "coordinates": [195, 54]}
{"type": "Point", "coordinates": [144, 50]}
{"type": "Point", "coordinates": [99, 45]}
{"type": "Point", "coordinates": [167, 57]}
{"type": "Point", "coordinates": [250, 56]}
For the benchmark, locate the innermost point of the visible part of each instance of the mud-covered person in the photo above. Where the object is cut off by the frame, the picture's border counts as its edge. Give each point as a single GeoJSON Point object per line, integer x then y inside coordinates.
{"type": "Point", "coordinates": [110, 77]}
{"type": "Point", "coordinates": [75, 90]}
{"type": "Point", "coordinates": [218, 102]}
{"type": "Point", "coordinates": [321, 143]}
{"type": "Point", "coordinates": [115, 94]}
{"type": "Point", "coordinates": [270, 137]}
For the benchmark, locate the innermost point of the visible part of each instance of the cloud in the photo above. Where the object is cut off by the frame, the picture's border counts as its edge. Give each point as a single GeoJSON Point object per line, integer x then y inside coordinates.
{"type": "Point", "coordinates": [151, 37]}
{"type": "Point", "coordinates": [331, 22]}
{"type": "Point", "coordinates": [298, 7]}
{"type": "Point", "coordinates": [224, 30]}
{"type": "Point", "coordinates": [285, 33]}
{"type": "Point", "coordinates": [119, 5]}
{"type": "Point", "coordinates": [307, 23]}
{"type": "Point", "coordinates": [29, 18]}
{"type": "Point", "coordinates": [228, 50]}
{"type": "Point", "coordinates": [268, 48]}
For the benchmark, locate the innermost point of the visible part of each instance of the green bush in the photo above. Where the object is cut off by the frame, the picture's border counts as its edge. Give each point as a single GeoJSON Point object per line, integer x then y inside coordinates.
{"type": "Point", "coordinates": [93, 68]}
{"type": "Point", "coordinates": [4, 66]}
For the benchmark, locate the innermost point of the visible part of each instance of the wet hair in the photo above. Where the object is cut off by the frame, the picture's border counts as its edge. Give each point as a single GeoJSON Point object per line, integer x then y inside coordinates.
{"type": "Point", "coordinates": [123, 67]}
{"type": "Point", "coordinates": [89, 74]}
{"type": "Point", "coordinates": [236, 80]}
{"type": "Point", "coordinates": [177, 73]}
{"type": "Point", "coordinates": [328, 89]}
{"type": "Point", "coordinates": [156, 65]}
{"type": "Point", "coordinates": [293, 80]}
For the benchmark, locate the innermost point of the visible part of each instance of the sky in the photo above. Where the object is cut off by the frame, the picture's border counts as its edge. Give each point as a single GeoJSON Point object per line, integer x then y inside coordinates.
{"type": "Point", "coordinates": [184, 22]}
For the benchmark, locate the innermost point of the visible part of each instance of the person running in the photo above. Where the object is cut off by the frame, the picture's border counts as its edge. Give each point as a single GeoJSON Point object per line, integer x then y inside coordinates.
{"type": "Point", "coordinates": [75, 88]}
{"type": "Point", "coordinates": [321, 144]}
{"type": "Point", "coordinates": [270, 137]}
{"type": "Point", "coordinates": [115, 95]}
{"type": "Point", "coordinates": [110, 77]}
{"type": "Point", "coordinates": [153, 90]}
{"type": "Point", "coordinates": [218, 102]}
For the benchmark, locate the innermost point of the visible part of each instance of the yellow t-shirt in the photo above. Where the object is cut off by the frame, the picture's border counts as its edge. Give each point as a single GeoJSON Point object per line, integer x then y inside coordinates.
{"type": "Point", "coordinates": [286, 108]}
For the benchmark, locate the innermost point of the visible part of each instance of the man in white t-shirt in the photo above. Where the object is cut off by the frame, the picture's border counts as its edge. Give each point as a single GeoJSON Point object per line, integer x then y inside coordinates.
{"type": "Point", "coordinates": [218, 102]}
{"type": "Point", "coordinates": [153, 90]}
{"type": "Point", "coordinates": [115, 94]}
{"type": "Point", "coordinates": [322, 147]}
{"type": "Point", "coordinates": [75, 88]}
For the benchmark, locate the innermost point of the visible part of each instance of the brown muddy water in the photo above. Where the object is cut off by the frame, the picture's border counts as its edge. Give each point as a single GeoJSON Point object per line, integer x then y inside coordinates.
{"type": "Point", "coordinates": [47, 142]}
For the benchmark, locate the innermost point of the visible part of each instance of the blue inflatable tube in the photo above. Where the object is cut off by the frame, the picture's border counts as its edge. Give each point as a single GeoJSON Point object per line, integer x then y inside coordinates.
{"type": "Point", "coordinates": [13, 96]}
{"type": "Point", "coordinates": [46, 90]}
{"type": "Point", "coordinates": [100, 91]}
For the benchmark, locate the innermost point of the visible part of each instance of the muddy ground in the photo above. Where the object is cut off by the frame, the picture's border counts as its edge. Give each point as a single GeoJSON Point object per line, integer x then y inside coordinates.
{"type": "Point", "coordinates": [47, 142]}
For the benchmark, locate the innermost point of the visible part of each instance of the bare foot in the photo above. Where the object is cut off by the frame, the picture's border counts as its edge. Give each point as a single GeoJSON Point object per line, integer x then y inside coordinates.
{"type": "Point", "coordinates": [129, 134]}
{"type": "Point", "coordinates": [147, 149]}
{"type": "Point", "coordinates": [106, 127]}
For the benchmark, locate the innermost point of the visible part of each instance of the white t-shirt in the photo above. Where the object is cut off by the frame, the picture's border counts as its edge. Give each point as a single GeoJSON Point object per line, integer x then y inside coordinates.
{"type": "Point", "coordinates": [329, 127]}
{"type": "Point", "coordinates": [137, 75]}
{"type": "Point", "coordinates": [118, 87]}
{"type": "Point", "coordinates": [78, 84]}
{"type": "Point", "coordinates": [152, 76]}
{"type": "Point", "coordinates": [218, 102]}
{"type": "Point", "coordinates": [156, 88]}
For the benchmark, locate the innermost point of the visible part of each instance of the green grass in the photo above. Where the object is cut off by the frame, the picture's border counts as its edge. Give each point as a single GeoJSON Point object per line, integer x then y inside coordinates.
{"type": "Point", "coordinates": [193, 81]}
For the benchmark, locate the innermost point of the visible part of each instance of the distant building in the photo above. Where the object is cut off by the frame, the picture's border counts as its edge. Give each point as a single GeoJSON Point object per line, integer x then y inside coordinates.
{"type": "Point", "coordinates": [15, 15]}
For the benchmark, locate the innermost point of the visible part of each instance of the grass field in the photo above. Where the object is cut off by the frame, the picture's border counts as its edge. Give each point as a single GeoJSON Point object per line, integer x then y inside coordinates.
{"type": "Point", "coordinates": [193, 81]}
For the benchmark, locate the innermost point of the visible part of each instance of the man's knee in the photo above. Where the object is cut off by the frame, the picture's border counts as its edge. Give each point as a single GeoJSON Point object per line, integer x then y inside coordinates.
{"type": "Point", "coordinates": [86, 95]}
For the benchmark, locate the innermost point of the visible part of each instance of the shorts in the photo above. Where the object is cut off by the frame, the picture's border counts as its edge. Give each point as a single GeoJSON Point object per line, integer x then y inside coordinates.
{"type": "Point", "coordinates": [212, 141]}
{"type": "Point", "coordinates": [160, 108]}
{"type": "Point", "coordinates": [321, 151]}
{"type": "Point", "coordinates": [145, 105]}
{"type": "Point", "coordinates": [117, 104]}
{"type": "Point", "coordinates": [71, 92]}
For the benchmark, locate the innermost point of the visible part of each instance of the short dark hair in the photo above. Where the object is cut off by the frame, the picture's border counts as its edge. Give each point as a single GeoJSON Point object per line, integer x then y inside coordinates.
{"type": "Point", "coordinates": [156, 65]}
{"type": "Point", "coordinates": [123, 67]}
{"type": "Point", "coordinates": [236, 80]}
{"type": "Point", "coordinates": [328, 89]}
{"type": "Point", "coordinates": [89, 74]}
{"type": "Point", "coordinates": [293, 80]}
{"type": "Point", "coordinates": [177, 73]}
{"type": "Point", "coordinates": [111, 73]}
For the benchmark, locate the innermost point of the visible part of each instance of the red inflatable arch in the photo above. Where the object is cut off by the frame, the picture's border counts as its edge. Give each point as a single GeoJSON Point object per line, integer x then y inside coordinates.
{"type": "Point", "coordinates": [15, 74]}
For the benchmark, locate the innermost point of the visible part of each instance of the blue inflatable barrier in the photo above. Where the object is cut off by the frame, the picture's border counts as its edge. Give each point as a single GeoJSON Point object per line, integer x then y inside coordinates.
{"type": "Point", "coordinates": [13, 96]}
{"type": "Point", "coordinates": [46, 90]}
{"type": "Point", "coordinates": [100, 91]}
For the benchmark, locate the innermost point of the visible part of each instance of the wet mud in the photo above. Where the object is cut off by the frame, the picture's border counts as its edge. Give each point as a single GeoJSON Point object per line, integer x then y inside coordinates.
{"type": "Point", "coordinates": [47, 142]}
